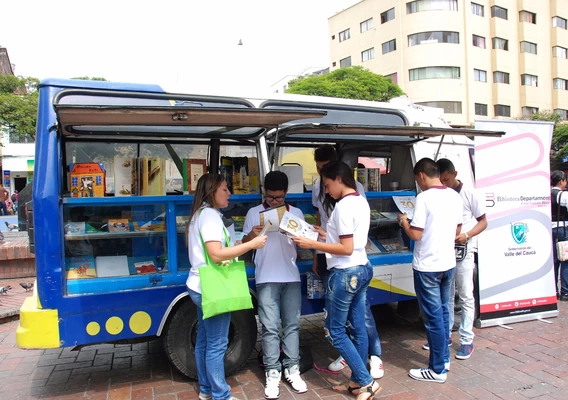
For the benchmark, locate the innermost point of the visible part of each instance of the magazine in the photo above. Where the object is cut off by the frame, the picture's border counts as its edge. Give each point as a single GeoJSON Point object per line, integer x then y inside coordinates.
{"type": "Point", "coordinates": [293, 226]}
{"type": "Point", "coordinates": [272, 215]}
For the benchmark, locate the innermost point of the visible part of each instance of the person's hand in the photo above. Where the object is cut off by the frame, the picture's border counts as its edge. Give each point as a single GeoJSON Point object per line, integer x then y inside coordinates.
{"type": "Point", "coordinates": [304, 243]}
{"type": "Point", "coordinates": [322, 234]}
{"type": "Point", "coordinates": [461, 238]}
{"type": "Point", "coordinates": [258, 242]}
{"type": "Point", "coordinates": [400, 217]}
{"type": "Point", "coordinates": [255, 231]}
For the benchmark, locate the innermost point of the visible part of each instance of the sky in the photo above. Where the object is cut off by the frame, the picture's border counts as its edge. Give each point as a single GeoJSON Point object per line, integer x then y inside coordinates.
{"type": "Point", "coordinates": [184, 46]}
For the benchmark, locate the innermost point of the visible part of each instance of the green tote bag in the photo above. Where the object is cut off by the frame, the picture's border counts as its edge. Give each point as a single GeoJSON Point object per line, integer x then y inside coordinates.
{"type": "Point", "coordinates": [224, 286]}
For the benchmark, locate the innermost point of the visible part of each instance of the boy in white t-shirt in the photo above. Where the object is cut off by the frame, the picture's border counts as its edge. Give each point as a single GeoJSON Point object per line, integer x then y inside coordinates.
{"type": "Point", "coordinates": [278, 291]}
{"type": "Point", "coordinates": [436, 224]}
{"type": "Point", "coordinates": [474, 222]}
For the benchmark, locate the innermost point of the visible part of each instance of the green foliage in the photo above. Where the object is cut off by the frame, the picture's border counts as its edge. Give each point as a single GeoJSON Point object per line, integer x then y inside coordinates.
{"type": "Point", "coordinates": [18, 104]}
{"type": "Point", "coordinates": [348, 83]}
{"type": "Point", "coordinates": [559, 147]}
{"type": "Point", "coordinates": [86, 78]}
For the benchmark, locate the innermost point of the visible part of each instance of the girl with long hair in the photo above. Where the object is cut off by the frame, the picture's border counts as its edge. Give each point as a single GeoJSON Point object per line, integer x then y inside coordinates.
{"type": "Point", "coordinates": [349, 273]}
{"type": "Point", "coordinates": [205, 223]}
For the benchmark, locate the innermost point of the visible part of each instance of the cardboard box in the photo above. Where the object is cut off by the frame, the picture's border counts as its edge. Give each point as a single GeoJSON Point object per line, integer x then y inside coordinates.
{"type": "Point", "coordinates": [87, 180]}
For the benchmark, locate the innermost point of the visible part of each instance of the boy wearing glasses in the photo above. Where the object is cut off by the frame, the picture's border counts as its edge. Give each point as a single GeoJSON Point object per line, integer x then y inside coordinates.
{"type": "Point", "coordinates": [278, 291]}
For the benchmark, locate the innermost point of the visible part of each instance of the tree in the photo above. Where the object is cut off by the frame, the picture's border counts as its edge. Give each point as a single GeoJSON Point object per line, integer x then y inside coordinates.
{"type": "Point", "coordinates": [559, 148]}
{"type": "Point", "coordinates": [18, 104]}
{"type": "Point", "coordinates": [348, 83]}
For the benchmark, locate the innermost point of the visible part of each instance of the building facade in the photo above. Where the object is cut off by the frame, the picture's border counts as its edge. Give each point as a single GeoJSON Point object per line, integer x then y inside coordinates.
{"type": "Point", "coordinates": [475, 59]}
{"type": "Point", "coordinates": [282, 84]}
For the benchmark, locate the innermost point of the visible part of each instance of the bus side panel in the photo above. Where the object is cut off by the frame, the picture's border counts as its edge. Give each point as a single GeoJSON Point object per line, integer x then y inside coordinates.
{"type": "Point", "coordinates": [114, 316]}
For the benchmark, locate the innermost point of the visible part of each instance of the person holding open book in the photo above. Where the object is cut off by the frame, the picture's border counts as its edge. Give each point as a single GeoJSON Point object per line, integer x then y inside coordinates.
{"type": "Point", "coordinates": [277, 288]}
{"type": "Point", "coordinates": [350, 273]}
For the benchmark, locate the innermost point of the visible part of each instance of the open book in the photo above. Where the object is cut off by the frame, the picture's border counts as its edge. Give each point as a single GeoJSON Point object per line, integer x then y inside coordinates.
{"type": "Point", "coordinates": [272, 215]}
{"type": "Point", "coordinates": [291, 225]}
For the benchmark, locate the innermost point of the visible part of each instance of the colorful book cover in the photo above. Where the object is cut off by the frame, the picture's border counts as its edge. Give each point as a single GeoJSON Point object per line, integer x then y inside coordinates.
{"type": "Point", "coordinates": [374, 179]}
{"type": "Point", "coordinates": [294, 226]}
{"type": "Point", "coordinates": [122, 176]}
{"type": "Point", "coordinates": [226, 170]}
{"type": "Point", "coordinates": [149, 226]}
{"type": "Point", "coordinates": [145, 267]}
{"type": "Point", "coordinates": [156, 177]}
{"type": "Point", "coordinates": [135, 182]}
{"type": "Point", "coordinates": [193, 169]}
{"type": "Point", "coordinates": [118, 225]}
{"type": "Point", "coordinates": [74, 228]}
{"type": "Point", "coordinates": [362, 177]}
{"type": "Point", "coordinates": [80, 267]}
{"type": "Point", "coordinates": [87, 180]}
{"type": "Point", "coordinates": [144, 172]}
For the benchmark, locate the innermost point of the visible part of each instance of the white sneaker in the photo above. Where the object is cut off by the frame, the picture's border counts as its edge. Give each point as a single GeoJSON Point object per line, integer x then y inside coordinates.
{"type": "Point", "coordinates": [272, 387]}
{"type": "Point", "coordinates": [427, 375]}
{"type": "Point", "coordinates": [205, 396]}
{"type": "Point", "coordinates": [292, 376]}
{"type": "Point", "coordinates": [377, 369]}
{"type": "Point", "coordinates": [338, 364]}
{"type": "Point", "coordinates": [447, 366]}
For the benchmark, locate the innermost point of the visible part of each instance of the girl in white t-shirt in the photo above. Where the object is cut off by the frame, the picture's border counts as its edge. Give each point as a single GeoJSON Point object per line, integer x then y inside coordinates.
{"type": "Point", "coordinates": [350, 273]}
{"type": "Point", "coordinates": [211, 195]}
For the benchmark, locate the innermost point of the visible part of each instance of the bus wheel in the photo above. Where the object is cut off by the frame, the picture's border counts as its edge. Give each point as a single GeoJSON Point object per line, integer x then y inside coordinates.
{"type": "Point", "coordinates": [180, 336]}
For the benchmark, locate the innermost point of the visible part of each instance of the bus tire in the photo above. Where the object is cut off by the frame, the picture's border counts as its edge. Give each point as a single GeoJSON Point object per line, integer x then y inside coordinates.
{"type": "Point", "coordinates": [180, 336]}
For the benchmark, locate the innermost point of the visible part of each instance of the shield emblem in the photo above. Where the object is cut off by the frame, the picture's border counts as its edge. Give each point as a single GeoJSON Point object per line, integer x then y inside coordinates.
{"type": "Point", "coordinates": [519, 232]}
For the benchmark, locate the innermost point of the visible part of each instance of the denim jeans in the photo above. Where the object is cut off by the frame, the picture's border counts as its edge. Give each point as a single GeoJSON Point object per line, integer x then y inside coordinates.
{"type": "Point", "coordinates": [463, 282]}
{"type": "Point", "coordinates": [561, 235]}
{"type": "Point", "coordinates": [210, 349]}
{"type": "Point", "coordinates": [280, 304]}
{"type": "Point", "coordinates": [3, 208]}
{"type": "Point", "coordinates": [345, 300]}
{"type": "Point", "coordinates": [433, 291]}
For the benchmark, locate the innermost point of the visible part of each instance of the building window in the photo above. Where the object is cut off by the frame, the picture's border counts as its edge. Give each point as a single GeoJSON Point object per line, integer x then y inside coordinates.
{"type": "Point", "coordinates": [392, 77]}
{"type": "Point", "coordinates": [389, 46]}
{"type": "Point", "coordinates": [560, 52]}
{"type": "Point", "coordinates": [559, 83]}
{"type": "Point", "coordinates": [344, 35]}
{"type": "Point", "coordinates": [558, 22]}
{"type": "Point", "coordinates": [529, 80]}
{"type": "Point", "coordinates": [450, 107]}
{"type": "Point", "coordinates": [334, 64]}
{"type": "Point", "coordinates": [480, 75]}
{"type": "Point", "coordinates": [366, 25]}
{"type": "Point", "coordinates": [434, 73]}
{"type": "Point", "coordinates": [563, 113]}
{"type": "Point", "coordinates": [528, 111]}
{"type": "Point", "coordinates": [332, 37]}
{"type": "Point", "coordinates": [368, 54]}
{"type": "Point", "coordinates": [479, 41]}
{"type": "Point", "coordinates": [480, 109]}
{"type": "Point", "coordinates": [16, 138]}
{"type": "Point", "coordinates": [502, 111]}
{"type": "Point", "coordinates": [346, 62]}
{"type": "Point", "coordinates": [500, 44]}
{"type": "Point", "coordinates": [528, 47]}
{"type": "Point", "coordinates": [433, 37]}
{"type": "Point", "coordinates": [525, 16]}
{"type": "Point", "coordinates": [498, 12]}
{"type": "Point", "coordinates": [431, 5]}
{"type": "Point", "coordinates": [477, 9]}
{"type": "Point", "coordinates": [387, 16]}
{"type": "Point", "coordinates": [500, 77]}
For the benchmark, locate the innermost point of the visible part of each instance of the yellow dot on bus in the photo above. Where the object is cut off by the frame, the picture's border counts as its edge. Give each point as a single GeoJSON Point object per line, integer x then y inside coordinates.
{"type": "Point", "coordinates": [140, 322]}
{"type": "Point", "coordinates": [93, 328]}
{"type": "Point", "coordinates": [114, 325]}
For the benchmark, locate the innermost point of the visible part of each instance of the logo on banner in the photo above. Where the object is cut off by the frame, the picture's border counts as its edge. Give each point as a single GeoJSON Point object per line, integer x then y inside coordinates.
{"type": "Point", "coordinates": [519, 232]}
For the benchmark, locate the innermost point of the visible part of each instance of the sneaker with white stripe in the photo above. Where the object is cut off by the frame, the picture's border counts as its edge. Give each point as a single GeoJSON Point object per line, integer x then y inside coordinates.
{"type": "Point", "coordinates": [427, 375]}
{"type": "Point", "coordinates": [337, 365]}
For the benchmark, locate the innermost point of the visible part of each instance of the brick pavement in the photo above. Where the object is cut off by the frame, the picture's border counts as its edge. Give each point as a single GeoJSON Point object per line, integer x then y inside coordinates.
{"type": "Point", "coordinates": [11, 302]}
{"type": "Point", "coordinates": [528, 362]}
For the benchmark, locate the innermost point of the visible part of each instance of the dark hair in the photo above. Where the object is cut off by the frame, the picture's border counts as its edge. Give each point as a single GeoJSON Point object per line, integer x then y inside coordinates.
{"type": "Point", "coordinates": [325, 152]}
{"type": "Point", "coordinates": [276, 180]}
{"type": "Point", "coordinates": [556, 177]}
{"type": "Point", "coordinates": [445, 165]}
{"type": "Point", "coordinates": [427, 166]}
{"type": "Point", "coordinates": [339, 169]}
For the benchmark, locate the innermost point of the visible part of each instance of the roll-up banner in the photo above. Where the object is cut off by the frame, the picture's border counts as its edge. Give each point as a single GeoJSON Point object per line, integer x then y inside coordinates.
{"type": "Point", "coordinates": [516, 276]}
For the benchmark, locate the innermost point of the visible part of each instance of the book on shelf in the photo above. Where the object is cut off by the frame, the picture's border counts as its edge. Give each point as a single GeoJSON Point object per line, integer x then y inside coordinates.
{"type": "Point", "coordinates": [149, 226]}
{"type": "Point", "coordinates": [274, 216]}
{"type": "Point", "coordinates": [118, 225]}
{"type": "Point", "coordinates": [109, 266]}
{"type": "Point", "coordinates": [156, 176]}
{"type": "Point", "coordinates": [81, 267]}
{"type": "Point", "coordinates": [75, 228]}
{"type": "Point", "coordinates": [181, 221]}
{"type": "Point", "coordinates": [87, 179]}
{"type": "Point", "coordinates": [145, 267]}
{"type": "Point", "coordinates": [193, 169]}
{"type": "Point", "coordinates": [362, 178]}
{"type": "Point", "coordinates": [122, 176]}
{"type": "Point", "coordinates": [291, 225]}
{"type": "Point", "coordinates": [371, 248]}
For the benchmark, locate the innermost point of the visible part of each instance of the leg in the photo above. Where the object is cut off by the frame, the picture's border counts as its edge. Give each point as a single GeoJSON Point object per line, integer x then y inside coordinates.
{"type": "Point", "coordinates": [451, 307]}
{"type": "Point", "coordinates": [291, 301]}
{"type": "Point", "coordinates": [464, 286]}
{"type": "Point", "coordinates": [342, 287]}
{"type": "Point", "coordinates": [448, 278]}
{"type": "Point", "coordinates": [200, 347]}
{"type": "Point", "coordinates": [556, 263]}
{"type": "Point", "coordinates": [269, 303]}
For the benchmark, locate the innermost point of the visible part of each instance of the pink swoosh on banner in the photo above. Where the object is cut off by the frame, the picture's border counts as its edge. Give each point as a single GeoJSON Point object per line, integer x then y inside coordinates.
{"type": "Point", "coordinates": [505, 176]}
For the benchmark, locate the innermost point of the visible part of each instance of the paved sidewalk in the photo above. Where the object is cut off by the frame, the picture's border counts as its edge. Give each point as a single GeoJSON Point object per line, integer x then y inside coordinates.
{"type": "Point", "coordinates": [11, 302]}
{"type": "Point", "coordinates": [530, 361]}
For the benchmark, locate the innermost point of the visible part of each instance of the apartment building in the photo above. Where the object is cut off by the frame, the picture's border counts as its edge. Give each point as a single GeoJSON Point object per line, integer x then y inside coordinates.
{"type": "Point", "coordinates": [475, 59]}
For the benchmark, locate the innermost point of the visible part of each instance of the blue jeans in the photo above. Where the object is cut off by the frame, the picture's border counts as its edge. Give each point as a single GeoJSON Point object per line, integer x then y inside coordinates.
{"type": "Point", "coordinates": [210, 349]}
{"type": "Point", "coordinates": [345, 300]}
{"type": "Point", "coordinates": [463, 283]}
{"type": "Point", "coordinates": [280, 303]}
{"type": "Point", "coordinates": [561, 235]}
{"type": "Point", "coordinates": [433, 292]}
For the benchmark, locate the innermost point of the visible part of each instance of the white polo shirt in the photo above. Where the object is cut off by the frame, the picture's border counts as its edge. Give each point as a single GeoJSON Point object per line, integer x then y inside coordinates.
{"type": "Point", "coordinates": [211, 225]}
{"type": "Point", "coordinates": [317, 202]}
{"type": "Point", "coordinates": [276, 261]}
{"type": "Point", "coordinates": [351, 217]}
{"type": "Point", "coordinates": [473, 212]}
{"type": "Point", "coordinates": [438, 212]}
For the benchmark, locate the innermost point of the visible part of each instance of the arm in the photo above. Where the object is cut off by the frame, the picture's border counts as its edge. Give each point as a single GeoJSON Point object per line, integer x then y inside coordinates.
{"type": "Point", "coordinates": [476, 230]}
{"type": "Point", "coordinates": [219, 253]}
{"type": "Point", "coordinates": [255, 231]}
{"type": "Point", "coordinates": [414, 234]}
